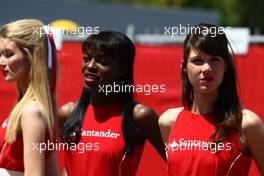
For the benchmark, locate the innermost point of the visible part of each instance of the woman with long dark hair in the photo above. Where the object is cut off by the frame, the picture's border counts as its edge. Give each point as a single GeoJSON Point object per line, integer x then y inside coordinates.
{"type": "Point", "coordinates": [107, 121]}
{"type": "Point", "coordinates": [212, 134]}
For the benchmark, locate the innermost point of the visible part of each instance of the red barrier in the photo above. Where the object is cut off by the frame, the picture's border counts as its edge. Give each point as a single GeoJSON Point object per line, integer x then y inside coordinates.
{"type": "Point", "coordinates": [159, 65]}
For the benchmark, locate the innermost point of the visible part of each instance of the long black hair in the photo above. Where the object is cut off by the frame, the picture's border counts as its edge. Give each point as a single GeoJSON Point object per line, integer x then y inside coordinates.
{"type": "Point", "coordinates": [227, 108]}
{"type": "Point", "coordinates": [115, 45]}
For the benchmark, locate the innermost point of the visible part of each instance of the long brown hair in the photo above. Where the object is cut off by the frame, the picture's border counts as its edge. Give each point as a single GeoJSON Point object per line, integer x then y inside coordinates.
{"type": "Point", "coordinates": [227, 107]}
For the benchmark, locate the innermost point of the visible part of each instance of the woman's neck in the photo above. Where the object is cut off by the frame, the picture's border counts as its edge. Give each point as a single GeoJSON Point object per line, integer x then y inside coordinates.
{"type": "Point", "coordinates": [204, 103]}
{"type": "Point", "coordinates": [100, 99]}
{"type": "Point", "coordinates": [22, 87]}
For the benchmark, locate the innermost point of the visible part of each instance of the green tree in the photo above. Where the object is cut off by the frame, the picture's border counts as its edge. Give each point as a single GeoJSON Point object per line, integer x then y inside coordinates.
{"type": "Point", "coordinates": [249, 13]}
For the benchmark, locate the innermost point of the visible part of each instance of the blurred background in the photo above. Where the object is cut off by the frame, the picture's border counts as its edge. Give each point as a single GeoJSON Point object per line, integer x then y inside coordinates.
{"type": "Point", "coordinates": [157, 28]}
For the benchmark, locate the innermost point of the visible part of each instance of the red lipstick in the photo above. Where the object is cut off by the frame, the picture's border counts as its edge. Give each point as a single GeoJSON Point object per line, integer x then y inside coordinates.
{"type": "Point", "coordinates": [206, 79]}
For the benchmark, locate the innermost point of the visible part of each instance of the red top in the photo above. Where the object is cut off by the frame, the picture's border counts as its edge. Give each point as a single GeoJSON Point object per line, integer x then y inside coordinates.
{"type": "Point", "coordinates": [101, 146]}
{"type": "Point", "coordinates": [189, 154]}
{"type": "Point", "coordinates": [11, 157]}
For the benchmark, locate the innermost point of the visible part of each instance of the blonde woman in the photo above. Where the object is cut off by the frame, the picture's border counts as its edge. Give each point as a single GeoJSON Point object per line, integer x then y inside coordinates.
{"type": "Point", "coordinates": [27, 57]}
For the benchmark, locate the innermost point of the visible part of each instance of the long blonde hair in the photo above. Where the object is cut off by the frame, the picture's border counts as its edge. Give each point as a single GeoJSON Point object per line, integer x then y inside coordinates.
{"type": "Point", "coordinates": [28, 36]}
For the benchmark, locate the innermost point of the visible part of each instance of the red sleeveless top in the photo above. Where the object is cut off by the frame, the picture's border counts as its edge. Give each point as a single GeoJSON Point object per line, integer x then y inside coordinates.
{"type": "Point", "coordinates": [101, 146]}
{"type": "Point", "coordinates": [190, 152]}
{"type": "Point", "coordinates": [11, 156]}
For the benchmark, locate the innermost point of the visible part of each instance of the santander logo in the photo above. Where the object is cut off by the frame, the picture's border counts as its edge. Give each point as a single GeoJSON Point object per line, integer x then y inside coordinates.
{"type": "Point", "coordinates": [4, 124]}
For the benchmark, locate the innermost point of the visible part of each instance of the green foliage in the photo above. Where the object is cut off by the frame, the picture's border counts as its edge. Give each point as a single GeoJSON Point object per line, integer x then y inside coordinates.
{"type": "Point", "coordinates": [249, 13]}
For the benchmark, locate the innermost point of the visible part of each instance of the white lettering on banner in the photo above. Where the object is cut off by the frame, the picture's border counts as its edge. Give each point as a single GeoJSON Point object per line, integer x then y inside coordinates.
{"type": "Point", "coordinates": [105, 134]}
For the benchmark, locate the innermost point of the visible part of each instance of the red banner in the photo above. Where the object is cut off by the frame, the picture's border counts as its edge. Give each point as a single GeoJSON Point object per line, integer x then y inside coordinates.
{"type": "Point", "coordinates": [154, 65]}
